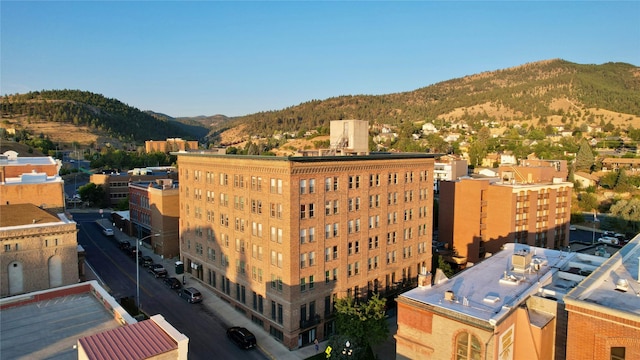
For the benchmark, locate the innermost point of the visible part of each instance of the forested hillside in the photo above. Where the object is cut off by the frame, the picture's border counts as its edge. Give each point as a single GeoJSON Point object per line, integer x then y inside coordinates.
{"type": "Point", "coordinates": [542, 92]}
{"type": "Point", "coordinates": [83, 108]}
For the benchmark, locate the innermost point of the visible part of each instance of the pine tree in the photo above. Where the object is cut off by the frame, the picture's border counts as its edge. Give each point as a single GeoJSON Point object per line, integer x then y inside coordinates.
{"type": "Point", "coordinates": [584, 158]}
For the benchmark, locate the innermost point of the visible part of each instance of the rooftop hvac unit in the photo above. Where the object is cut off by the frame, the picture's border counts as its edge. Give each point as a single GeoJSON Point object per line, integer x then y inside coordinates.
{"type": "Point", "coordinates": [521, 260]}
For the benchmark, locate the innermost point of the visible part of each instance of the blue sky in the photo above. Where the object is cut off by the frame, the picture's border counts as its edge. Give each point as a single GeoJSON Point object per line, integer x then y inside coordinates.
{"type": "Point", "coordinates": [237, 58]}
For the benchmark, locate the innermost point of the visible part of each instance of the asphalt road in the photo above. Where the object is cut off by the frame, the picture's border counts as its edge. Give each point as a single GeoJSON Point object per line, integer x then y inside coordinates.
{"type": "Point", "coordinates": [207, 336]}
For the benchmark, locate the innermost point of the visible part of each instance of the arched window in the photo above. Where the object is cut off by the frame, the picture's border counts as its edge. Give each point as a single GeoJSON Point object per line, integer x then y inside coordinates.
{"type": "Point", "coordinates": [468, 347]}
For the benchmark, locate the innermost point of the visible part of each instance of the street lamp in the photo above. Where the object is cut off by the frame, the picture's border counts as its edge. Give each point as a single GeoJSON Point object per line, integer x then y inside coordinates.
{"type": "Point", "coordinates": [138, 269]}
{"type": "Point", "coordinates": [595, 220]}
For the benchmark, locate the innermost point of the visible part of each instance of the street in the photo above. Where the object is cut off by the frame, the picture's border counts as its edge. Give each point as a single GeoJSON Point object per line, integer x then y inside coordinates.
{"type": "Point", "coordinates": [207, 334]}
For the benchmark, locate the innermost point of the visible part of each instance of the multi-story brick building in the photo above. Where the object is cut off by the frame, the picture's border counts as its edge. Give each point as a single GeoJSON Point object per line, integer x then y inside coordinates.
{"type": "Point", "coordinates": [282, 238]}
{"type": "Point", "coordinates": [39, 250]}
{"type": "Point", "coordinates": [116, 184]}
{"type": "Point", "coordinates": [508, 307]}
{"type": "Point", "coordinates": [172, 144]}
{"type": "Point", "coordinates": [31, 180]}
{"type": "Point", "coordinates": [154, 209]}
{"type": "Point", "coordinates": [525, 204]}
{"type": "Point", "coordinates": [604, 310]}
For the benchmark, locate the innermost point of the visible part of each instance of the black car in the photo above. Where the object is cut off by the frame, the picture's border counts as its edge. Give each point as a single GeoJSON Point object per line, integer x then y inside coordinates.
{"type": "Point", "coordinates": [158, 270]}
{"type": "Point", "coordinates": [124, 245]}
{"type": "Point", "coordinates": [172, 283]}
{"type": "Point", "coordinates": [242, 337]}
{"type": "Point", "coordinates": [146, 261]}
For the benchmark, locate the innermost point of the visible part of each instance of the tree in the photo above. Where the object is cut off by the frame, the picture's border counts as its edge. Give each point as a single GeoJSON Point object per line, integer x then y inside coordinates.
{"type": "Point", "coordinates": [363, 323]}
{"type": "Point", "coordinates": [584, 158]}
{"type": "Point", "coordinates": [92, 193]}
{"type": "Point", "coordinates": [629, 212]}
{"type": "Point", "coordinates": [445, 267]}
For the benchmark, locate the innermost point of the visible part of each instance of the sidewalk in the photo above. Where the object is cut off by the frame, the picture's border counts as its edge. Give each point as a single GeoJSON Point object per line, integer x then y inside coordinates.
{"type": "Point", "coordinates": [223, 310]}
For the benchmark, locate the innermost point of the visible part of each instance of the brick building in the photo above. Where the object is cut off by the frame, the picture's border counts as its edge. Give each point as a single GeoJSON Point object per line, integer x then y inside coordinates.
{"type": "Point", "coordinates": [604, 310]}
{"type": "Point", "coordinates": [31, 180]}
{"type": "Point", "coordinates": [172, 144]}
{"type": "Point", "coordinates": [39, 250]}
{"type": "Point", "coordinates": [508, 307]}
{"type": "Point", "coordinates": [116, 185]}
{"type": "Point", "coordinates": [154, 209]}
{"type": "Point", "coordinates": [282, 238]}
{"type": "Point", "coordinates": [525, 204]}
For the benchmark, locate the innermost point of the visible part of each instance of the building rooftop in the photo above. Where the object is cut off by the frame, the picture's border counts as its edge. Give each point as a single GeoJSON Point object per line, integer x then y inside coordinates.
{"type": "Point", "coordinates": [59, 323]}
{"type": "Point", "coordinates": [489, 290]}
{"type": "Point", "coordinates": [10, 158]}
{"type": "Point", "coordinates": [25, 214]}
{"type": "Point", "coordinates": [370, 156]}
{"type": "Point", "coordinates": [613, 286]}
{"type": "Point", "coordinates": [160, 184]}
{"type": "Point", "coordinates": [47, 324]}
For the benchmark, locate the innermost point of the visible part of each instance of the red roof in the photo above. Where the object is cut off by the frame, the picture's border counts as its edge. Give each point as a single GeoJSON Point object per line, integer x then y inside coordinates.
{"type": "Point", "coordinates": [141, 340]}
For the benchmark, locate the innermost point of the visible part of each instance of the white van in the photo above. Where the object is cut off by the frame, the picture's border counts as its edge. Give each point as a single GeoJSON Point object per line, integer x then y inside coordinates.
{"type": "Point", "coordinates": [107, 232]}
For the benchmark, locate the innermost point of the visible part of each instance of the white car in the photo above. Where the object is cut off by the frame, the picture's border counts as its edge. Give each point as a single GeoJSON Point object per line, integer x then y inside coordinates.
{"type": "Point", "coordinates": [572, 227]}
{"type": "Point", "coordinates": [608, 240]}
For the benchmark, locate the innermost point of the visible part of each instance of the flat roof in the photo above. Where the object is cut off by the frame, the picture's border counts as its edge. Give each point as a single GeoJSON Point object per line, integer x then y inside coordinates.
{"type": "Point", "coordinates": [614, 286]}
{"type": "Point", "coordinates": [371, 156]}
{"type": "Point", "coordinates": [49, 326]}
{"type": "Point", "coordinates": [35, 160]}
{"type": "Point", "coordinates": [24, 214]}
{"type": "Point", "coordinates": [489, 290]}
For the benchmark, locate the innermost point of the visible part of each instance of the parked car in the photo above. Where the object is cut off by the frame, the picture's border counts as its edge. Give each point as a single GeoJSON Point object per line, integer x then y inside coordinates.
{"type": "Point", "coordinates": [608, 233]}
{"type": "Point", "coordinates": [572, 228]}
{"type": "Point", "coordinates": [172, 283]}
{"type": "Point", "coordinates": [191, 294]}
{"type": "Point", "coordinates": [242, 337]}
{"type": "Point", "coordinates": [146, 261]}
{"type": "Point", "coordinates": [124, 245]}
{"type": "Point", "coordinates": [608, 240]}
{"type": "Point", "coordinates": [158, 270]}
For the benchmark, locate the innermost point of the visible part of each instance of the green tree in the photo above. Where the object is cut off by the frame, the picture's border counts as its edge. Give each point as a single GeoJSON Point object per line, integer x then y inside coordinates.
{"type": "Point", "coordinates": [587, 202]}
{"type": "Point", "coordinates": [362, 322]}
{"type": "Point", "coordinates": [629, 212]}
{"type": "Point", "coordinates": [584, 158]}
{"type": "Point", "coordinates": [92, 194]}
{"type": "Point", "coordinates": [445, 267]}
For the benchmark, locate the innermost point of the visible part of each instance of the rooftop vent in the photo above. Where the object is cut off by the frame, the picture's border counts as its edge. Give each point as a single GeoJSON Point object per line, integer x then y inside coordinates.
{"type": "Point", "coordinates": [622, 285]}
{"type": "Point", "coordinates": [449, 295]}
{"type": "Point", "coordinates": [491, 299]}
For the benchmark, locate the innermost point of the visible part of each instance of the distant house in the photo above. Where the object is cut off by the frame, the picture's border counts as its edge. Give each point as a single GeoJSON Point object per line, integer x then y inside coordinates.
{"type": "Point", "coordinates": [429, 128]}
{"type": "Point", "coordinates": [610, 164]}
{"type": "Point", "coordinates": [585, 179]}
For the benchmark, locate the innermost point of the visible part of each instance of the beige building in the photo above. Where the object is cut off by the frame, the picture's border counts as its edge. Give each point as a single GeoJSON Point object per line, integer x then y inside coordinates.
{"type": "Point", "coordinates": [282, 238]}
{"type": "Point", "coordinates": [154, 209]}
{"type": "Point", "coordinates": [172, 144]}
{"type": "Point", "coordinates": [508, 307]}
{"type": "Point", "coordinates": [116, 185]}
{"type": "Point", "coordinates": [31, 180]}
{"type": "Point", "coordinates": [39, 250]}
{"type": "Point", "coordinates": [525, 204]}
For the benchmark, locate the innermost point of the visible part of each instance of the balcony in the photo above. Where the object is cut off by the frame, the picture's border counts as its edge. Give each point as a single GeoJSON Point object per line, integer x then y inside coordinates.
{"type": "Point", "coordinates": [311, 322]}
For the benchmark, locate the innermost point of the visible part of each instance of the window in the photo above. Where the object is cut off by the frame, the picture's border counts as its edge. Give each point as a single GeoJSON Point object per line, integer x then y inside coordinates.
{"type": "Point", "coordinates": [276, 186]}
{"type": "Point", "coordinates": [303, 211]}
{"type": "Point", "coordinates": [303, 236]}
{"type": "Point", "coordinates": [311, 211]}
{"type": "Point", "coordinates": [618, 353]}
{"type": "Point", "coordinates": [303, 284]}
{"type": "Point", "coordinates": [312, 186]}
{"type": "Point", "coordinates": [312, 232]}
{"type": "Point", "coordinates": [468, 347]}
{"type": "Point", "coordinates": [312, 258]}
{"type": "Point", "coordinates": [303, 186]}
{"type": "Point", "coordinates": [303, 260]}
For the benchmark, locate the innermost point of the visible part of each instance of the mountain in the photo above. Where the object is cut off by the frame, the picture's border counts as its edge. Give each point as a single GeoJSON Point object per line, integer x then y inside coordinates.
{"type": "Point", "coordinates": [547, 92]}
{"type": "Point", "coordinates": [49, 111]}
